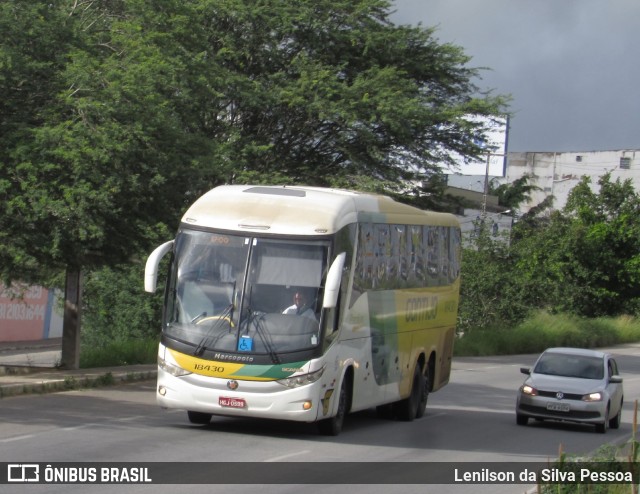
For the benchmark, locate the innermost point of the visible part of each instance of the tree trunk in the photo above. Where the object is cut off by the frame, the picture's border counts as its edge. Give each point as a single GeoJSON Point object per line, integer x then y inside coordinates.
{"type": "Point", "coordinates": [71, 322]}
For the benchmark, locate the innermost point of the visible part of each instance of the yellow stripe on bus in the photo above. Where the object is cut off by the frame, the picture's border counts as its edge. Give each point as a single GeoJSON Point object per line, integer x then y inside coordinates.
{"type": "Point", "coordinates": [235, 370]}
{"type": "Point", "coordinates": [226, 370]}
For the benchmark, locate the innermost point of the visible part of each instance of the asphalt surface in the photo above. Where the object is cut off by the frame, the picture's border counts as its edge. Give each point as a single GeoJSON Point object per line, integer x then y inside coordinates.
{"type": "Point", "coordinates": [31, 367]}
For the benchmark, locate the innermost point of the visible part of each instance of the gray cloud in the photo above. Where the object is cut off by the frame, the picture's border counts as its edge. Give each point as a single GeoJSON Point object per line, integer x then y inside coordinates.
{"type": "Point", "coordinates": [571, 66]}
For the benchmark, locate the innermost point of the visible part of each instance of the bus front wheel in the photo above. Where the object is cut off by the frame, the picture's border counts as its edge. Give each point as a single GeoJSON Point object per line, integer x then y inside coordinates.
{"type": "Point", "coordinates": [199, 417]}
{"type": "Point", "coordinates": [332, 426]}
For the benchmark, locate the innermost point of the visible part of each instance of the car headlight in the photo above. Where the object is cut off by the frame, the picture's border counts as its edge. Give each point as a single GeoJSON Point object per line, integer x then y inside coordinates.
{"type": "Point", "coordinates": [302, 380]}
{"type": "Point", "coordinates": [172, 369]}
{"type": "Point", "coordinates": [597, 396]}
{"type": "Point", "coordinates": [529, 390]}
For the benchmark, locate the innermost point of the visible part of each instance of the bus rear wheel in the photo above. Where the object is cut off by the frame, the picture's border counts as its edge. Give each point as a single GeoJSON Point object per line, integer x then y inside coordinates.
{"type": "Point", "coordinates": [424, 394]}
{"type": "Point", "coordinates": [408, 408]}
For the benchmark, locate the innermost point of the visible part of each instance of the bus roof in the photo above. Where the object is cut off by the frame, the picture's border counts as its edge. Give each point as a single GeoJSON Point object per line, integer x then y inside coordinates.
{"type": "Point", "coordinates": [300, 210]}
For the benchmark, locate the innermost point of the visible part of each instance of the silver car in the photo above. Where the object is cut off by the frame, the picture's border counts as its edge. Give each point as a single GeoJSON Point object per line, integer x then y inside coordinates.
{"type": "Point", "coordinates": [572, 384]}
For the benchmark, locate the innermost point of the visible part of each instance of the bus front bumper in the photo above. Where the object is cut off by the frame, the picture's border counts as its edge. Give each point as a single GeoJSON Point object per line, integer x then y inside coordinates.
{"type": "Point", "coordinates": [258, 399]}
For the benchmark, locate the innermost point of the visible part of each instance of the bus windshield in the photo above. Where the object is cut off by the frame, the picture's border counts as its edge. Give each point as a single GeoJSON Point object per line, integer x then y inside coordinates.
{"type": "Point", "coordinates": [245, 295]}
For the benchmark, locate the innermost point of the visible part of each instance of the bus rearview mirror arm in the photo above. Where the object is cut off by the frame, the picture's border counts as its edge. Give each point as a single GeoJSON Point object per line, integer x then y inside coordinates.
{"type": "Point", "coordinates": [151, 268]}
{"type": "Point", "coordinates": [332, 286]}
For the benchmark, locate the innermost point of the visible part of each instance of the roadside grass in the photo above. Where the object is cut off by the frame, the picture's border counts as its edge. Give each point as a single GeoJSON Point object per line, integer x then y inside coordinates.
{"type": "Point", "coordinates": [544, 330]}
{"type": "Point", "coordinates": [119, 353]}
{"type": "Point", "coordinates": [609, 459]}
{"type": "Point", "coordinates": [534, 335]}
{"type": "Point", "coordinates": [100, 381]}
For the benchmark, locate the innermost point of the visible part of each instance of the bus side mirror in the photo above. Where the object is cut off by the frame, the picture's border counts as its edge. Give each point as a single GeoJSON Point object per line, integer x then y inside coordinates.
{"type": "Point", "coordinates": [151, 268]}
{"type": "Point", "coordinates": [332, 286]}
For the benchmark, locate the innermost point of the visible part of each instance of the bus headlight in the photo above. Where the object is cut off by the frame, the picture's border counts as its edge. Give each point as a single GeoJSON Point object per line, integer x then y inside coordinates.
{"type": "Point", "coordinates": [302, 380]}
{"type": "Point", "coordinates": [172, 369]}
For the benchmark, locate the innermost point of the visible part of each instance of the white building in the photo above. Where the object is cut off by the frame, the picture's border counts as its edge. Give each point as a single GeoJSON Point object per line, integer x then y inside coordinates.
{"type": "Point", "coordinates": [556, 174]}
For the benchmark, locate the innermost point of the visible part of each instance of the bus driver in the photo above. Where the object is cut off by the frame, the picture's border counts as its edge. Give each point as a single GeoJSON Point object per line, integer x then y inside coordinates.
{"type": "Point", "coordinates": [300, 306]}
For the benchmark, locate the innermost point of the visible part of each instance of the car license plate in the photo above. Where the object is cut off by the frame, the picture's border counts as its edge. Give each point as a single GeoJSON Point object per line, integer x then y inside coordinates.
{"type": "Point", "coordinates": [232, 402]}
{"type": "Point", "coordinates": [558, 407]}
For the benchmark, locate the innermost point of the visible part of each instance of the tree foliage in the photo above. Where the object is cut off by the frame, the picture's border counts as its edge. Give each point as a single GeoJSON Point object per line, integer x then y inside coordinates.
{"type": "Point", "coordinates": [604, 246]}
{"type": "Point", "coordinates": [582, 260]}
{"type": "Point", "coordinates": [511, 195]}
{"type": "Point", "coordinates": [116, 114]}
{"type": "Point", "coordinates": [116, 307]}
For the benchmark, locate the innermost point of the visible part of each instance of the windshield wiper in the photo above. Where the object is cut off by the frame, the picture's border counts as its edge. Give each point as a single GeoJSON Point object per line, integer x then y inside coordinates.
{"type": "Point", "coordinates": [207, 342]}
{"type": "Point", "coordinates": [257, 319]}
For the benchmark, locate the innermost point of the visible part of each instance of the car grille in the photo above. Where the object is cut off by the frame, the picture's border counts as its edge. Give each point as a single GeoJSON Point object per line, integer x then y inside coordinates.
{"type": "Point", "coordinates": [573, 414]}
{"type": "Point", "coordinates": [565, 396]}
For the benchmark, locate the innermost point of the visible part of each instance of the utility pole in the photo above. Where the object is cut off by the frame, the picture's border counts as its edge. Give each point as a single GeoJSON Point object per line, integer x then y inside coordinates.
{"type": "Point", "coordinates": [486, 185]}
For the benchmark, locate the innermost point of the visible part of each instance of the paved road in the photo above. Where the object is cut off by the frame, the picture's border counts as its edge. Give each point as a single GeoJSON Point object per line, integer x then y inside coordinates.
{"type": "Point", "coordinates": [470, 420]}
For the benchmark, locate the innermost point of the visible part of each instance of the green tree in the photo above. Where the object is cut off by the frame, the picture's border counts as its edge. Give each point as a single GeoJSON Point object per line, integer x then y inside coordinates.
{"type": "Point", "coordinates": [113, 308]}
{"type": "Point", "coordinates": [491, 293]}
{"type": "Point", "coordinates": [586, 258]}
{"type": "Point", "coordinates": [512, 195]}
{"type": "Point", "coordinates": [120, 113]}
{"type": "Point", "coordinates": [605, 244]}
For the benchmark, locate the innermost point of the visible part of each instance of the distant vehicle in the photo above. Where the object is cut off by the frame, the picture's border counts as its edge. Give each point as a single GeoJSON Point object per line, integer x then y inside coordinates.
{"type": "Point", "coordinates": [381, 280]}
{"type": "Point", "coordinates": [573, 385]}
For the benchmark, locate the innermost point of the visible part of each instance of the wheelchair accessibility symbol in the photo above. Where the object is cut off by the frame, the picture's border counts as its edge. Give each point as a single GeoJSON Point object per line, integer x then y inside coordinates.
{"type": "Point", "coordinates": [245, 344]}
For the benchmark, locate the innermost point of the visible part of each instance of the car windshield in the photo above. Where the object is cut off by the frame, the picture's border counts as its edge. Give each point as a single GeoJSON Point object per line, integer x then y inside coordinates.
{"type": "Point", "coordinates": [245, 295]}
{"type": "Point", "coordinates": [569, 365]}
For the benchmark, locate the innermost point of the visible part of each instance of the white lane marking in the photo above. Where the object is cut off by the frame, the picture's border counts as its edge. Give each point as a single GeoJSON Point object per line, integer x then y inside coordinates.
{"type": "Point", "coordinates": [283, 457]}
{"type": "Point", "coordinates": [129, 419]}
{"type": "Point", "coordinates": [17, 438]}
{"type": "Point", "coordinates": [483, 368]}
{"type": "Point", "coordinates": [78, 427]}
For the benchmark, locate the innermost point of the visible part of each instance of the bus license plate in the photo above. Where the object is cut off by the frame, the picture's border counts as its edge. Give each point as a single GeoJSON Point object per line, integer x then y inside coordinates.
{"type": "Point", "coordinates": [558, 407]}
{"type": "Point", "coordinates": [232, 402]}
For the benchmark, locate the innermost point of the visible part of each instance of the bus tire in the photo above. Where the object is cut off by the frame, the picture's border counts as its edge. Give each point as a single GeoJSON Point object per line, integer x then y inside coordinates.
{"type": "Point", "coordinates": [424, 395]}
{"type": "Point", "coordinates": [199, 418]}
{"type": "Point", "coordinates": [333, 426]}
{"type": "Point", "coordinates": [407, 409]}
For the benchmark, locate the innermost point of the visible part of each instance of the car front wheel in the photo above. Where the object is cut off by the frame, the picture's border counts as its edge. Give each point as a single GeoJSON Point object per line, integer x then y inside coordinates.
{"type": "Point", "coordinates": [614, 423]}
{"type": "Point", "coordinates": [604, 425]}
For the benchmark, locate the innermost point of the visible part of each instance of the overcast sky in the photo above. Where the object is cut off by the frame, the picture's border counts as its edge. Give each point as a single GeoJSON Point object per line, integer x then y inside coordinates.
{"type": "Point", "coordinates": [572, 67]}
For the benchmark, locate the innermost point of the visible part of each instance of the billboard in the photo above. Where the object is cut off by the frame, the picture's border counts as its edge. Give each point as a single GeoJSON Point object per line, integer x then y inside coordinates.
{"type": "Point", "coordinates": [28, 313]}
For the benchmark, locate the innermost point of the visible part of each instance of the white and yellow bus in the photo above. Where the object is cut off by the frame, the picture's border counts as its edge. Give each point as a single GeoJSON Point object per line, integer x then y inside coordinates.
{"type": "Point", "coordinates": [380, 280]}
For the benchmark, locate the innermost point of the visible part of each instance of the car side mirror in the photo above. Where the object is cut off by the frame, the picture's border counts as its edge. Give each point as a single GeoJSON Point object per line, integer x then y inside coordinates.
{"type": "Point", "coordinates": [525, 370]}
{"type": "Point", "coordinates": [615, 379]}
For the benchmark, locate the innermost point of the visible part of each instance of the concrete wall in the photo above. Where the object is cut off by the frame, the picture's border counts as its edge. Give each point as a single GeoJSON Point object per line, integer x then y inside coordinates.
{"type": "Point", "coordinates": [558, 173]}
